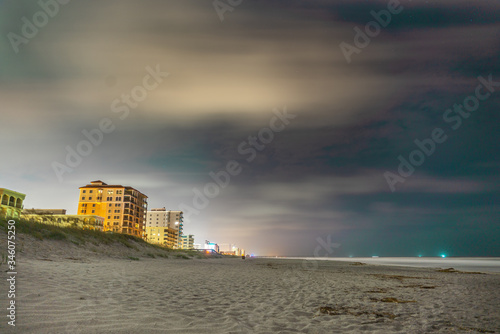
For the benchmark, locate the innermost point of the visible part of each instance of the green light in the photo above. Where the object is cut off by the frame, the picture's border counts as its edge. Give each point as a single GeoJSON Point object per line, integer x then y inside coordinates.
{"type": "Point", "coordinates": [442, 255]}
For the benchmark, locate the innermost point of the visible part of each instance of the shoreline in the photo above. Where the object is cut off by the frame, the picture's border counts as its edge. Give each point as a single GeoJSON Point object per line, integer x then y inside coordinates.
{"type": "Point", "coordinates": [486, 264]}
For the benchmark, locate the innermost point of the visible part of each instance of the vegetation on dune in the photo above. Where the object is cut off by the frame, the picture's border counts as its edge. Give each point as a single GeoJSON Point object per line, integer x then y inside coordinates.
{"type": "Point", "coordinates": [76, 235]}
{"type": "Point", "coordinates": [80, 237]}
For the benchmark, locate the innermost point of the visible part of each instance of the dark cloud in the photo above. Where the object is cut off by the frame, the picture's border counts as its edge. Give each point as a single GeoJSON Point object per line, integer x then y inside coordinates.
{"type": "Point", "coordinates": [323, 174]}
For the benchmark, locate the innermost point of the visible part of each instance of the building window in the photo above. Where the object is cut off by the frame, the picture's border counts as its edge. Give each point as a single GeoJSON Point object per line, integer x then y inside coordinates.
{"type": "Point", "coordinates": [118, 199]}
{"type": "Point", "coordinates": [90, 198]}
{"type": "Point", "coordinates": [93, 211]}
{"type": "Point", "coordinates": [110, 192]}
{"type": "Point", "coordinates": [91, 191]}
{"type": "Point", "coordinates": [84, 191]}
{"type": "Point", "coordinates": [83, 211]}
{"type": "Point", "coordinates": [109, 217]}
{"type": "Point", "coordinates": [119, 192]}
{"type": "Point", "coordinates": [93, 205]}
{"type": "Point", "coordinates": [83, 198]}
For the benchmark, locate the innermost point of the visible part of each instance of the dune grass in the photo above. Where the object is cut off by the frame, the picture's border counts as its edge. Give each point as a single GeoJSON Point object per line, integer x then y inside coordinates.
{"type": "Point", "coordinates": [80, 237]}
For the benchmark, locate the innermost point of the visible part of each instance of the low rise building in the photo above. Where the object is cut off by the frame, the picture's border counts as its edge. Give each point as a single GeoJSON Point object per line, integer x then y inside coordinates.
{"type": "Point", "coordinates": [211, 245]}
{"type": "Point", "coordinates": [164, 236]}
{"type": "Point", "coordinates": [187, 241]}
{"type": "Point", "coordinates": [11, 203]}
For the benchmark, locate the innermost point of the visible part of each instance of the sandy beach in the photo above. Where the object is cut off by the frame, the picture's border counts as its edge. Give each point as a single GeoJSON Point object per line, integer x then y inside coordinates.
{"type": "Point", "coordinates": [62, 288]}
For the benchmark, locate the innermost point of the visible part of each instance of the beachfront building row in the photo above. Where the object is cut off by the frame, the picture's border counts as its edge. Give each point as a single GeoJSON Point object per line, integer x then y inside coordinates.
{"type": "Point", "coordinates": [11, 203]}
{"type": "Point", "coordinates": [109, 208]}
{"type": "Point", "coordinates": [122, 207]}
{"type": "Point", "coordinates": [230, 249]}
{"type": "Point", "coordinates": [227, 249]}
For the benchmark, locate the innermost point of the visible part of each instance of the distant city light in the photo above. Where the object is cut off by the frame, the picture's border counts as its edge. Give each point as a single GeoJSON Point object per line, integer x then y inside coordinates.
{"type": "Point", "coordinates": [419, 255]}
{"type": "Point", "coordinates": [442, 255]}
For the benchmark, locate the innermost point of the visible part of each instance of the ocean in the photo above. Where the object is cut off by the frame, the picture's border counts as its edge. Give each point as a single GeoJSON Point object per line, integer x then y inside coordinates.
{"type": "Point", "coordinates": [482, 264]}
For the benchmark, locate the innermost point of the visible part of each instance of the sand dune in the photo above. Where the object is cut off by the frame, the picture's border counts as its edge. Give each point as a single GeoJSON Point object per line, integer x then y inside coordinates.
{"type": "Point", "coordinates": [67, 293]}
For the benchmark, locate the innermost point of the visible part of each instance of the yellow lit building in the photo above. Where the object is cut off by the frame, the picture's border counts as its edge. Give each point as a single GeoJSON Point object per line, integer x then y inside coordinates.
{"type": "Point", "coordinates": [166, 218]}
{"type": "Point", "coordinates": [123, 208]}
{"type": "Point", "coordinates": [11, 203]}
{"type": "Point", "coordinates": [164, 236]}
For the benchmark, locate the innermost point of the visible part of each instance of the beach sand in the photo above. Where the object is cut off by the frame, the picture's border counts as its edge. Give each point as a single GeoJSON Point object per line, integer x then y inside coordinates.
{"type": "Point", "coordinates": [62, 288]}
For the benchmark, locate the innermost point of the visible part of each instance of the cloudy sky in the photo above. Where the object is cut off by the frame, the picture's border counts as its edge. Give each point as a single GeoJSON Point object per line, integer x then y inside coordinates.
{"type": "Point", "coordinates": [351, 107]}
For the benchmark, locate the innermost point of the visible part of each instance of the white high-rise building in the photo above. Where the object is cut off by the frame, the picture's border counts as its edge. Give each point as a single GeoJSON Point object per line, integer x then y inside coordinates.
{"type": "Point", "coordinates": [161, 218]}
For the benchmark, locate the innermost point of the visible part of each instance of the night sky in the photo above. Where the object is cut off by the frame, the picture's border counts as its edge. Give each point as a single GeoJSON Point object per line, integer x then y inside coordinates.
{"type": "Point", "coordinates": [312, 118]}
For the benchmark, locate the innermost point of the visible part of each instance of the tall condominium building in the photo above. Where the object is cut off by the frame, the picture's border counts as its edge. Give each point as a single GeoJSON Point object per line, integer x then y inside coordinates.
{"type": "Point", "coordinates": [170, 223]}
{"type": "Point", "coordinates": [123, 207]}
